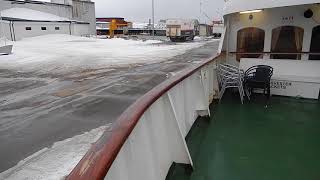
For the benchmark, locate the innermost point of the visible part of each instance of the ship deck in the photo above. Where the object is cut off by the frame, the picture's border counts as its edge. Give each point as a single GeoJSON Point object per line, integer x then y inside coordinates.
{"type": "Point", "coordinates": [251, 141]}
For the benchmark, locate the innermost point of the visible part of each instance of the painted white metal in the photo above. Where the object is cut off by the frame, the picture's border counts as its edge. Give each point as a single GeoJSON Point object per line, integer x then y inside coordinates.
{"type": "Point", "coordinates": [222, 40]}
{"type": "Point", "coordinates": [6, 49]}
{"type": "Point", "coordinates": [6, 30]}
{"type": "Point", "coordinates": [291, 77]}
{"type": "Point", "coordinates": [2, 31]}
{"type": "Point", "coordinates": [233, 6]}
{"type": "Point", "coordinates": [176, 118]}
{"type": "Point", "coordinates": [267, 20]}
{"type": "Point", "coordinates": [301, 70]}
{"type": "Point", "coordinates": [158, 139]}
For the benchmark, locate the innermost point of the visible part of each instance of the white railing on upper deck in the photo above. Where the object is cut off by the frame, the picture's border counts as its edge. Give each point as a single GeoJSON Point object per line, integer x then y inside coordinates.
{"type": "Point", "coordinates": [150, 135]}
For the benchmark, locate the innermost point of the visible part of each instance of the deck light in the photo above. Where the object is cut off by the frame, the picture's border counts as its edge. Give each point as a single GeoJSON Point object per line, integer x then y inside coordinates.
{"type": "Point", "coordinates": [251, 11]}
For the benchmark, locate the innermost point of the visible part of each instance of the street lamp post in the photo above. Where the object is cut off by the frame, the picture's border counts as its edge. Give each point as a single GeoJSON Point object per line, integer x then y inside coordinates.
{"type": "Point", "coordinates": [153, 18]}
{"type": "Point", "coordinates": [2, 30]}
{"type": "Point", "coordinates": [200, 11]}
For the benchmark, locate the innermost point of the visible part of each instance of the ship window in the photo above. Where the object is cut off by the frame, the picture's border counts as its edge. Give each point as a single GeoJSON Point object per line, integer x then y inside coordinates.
{"type": "Point", "coordinates": [315, 43]}
{"type": "Point", "coordinates": [287, 39]}
{"type": "Point", "coordinates": [28, 28]}
{"type": "Point", "coordinates": [57, 28]}
{"type": "Point", "coordinates": [250, 40]}
{"type": "Point", "coordinates": [43, 28]}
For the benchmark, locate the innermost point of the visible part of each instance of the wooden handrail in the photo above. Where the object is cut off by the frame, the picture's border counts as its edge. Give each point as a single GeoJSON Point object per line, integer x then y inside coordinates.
{"type": "Point", "coordinates": [270, 53]}
{"type": "Point", "coordinates": [98, 160]}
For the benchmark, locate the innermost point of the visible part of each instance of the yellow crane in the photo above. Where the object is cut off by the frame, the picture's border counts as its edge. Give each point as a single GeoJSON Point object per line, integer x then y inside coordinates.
{"type": "Point", "coordinates": [114, 26]}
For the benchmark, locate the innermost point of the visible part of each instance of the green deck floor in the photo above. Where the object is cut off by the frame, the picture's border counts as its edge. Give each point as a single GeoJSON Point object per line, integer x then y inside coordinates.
{"type": "Point", "coordinates": [251, 142]}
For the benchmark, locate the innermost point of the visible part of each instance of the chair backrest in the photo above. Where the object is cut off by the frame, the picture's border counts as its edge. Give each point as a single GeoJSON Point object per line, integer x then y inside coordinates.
{"type": "Point", "coordinates": [261, 73]}
{"type": "Point", "coordinates": [229, 73]}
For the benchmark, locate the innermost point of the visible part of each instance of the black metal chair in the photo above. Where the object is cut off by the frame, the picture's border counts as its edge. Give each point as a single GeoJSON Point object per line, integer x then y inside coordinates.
{"type": "Point", "coordinates": [258, 77]}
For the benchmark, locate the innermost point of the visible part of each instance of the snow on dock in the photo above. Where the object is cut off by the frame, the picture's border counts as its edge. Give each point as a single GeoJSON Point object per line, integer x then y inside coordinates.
{"type": "Point", "coordinates": [64, 53]}
{"type": "Point", "coordinates": [54, 162]}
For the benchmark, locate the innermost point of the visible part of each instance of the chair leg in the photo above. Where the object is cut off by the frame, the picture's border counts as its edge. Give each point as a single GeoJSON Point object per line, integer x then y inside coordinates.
{"type": "Point", "coordinates": [241, 94]}
{"type": "Point", "coordinates": [248, 94]}
{"type": "Point", "coordinates": [246, 89]}
{"type": "Point", "coordinates": [223, 89]}
{"type": "Point", "coordinates": [241, 91]}
{"type": "Point", "coordinates": [268, 92]}
{"type": "Point", "coordinates": [250, 91]}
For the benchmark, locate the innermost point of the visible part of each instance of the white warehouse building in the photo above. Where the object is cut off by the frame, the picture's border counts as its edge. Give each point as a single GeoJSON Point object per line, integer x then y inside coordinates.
{"type": "Point", "coordinates": [21, 19]}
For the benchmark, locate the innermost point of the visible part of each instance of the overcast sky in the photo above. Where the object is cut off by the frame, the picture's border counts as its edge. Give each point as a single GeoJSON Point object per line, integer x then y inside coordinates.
{"type": "Point", "coordinates": [140, 10]}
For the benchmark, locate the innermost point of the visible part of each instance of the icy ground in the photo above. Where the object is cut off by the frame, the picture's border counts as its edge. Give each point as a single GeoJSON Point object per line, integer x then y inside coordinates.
{"type": "Point", "coordinates": [58, 86]}
{"type": "Point", "coordinates": [64, 53]}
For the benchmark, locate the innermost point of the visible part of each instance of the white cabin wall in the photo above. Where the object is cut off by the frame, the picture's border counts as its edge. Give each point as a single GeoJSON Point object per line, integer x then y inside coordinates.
{"type": "Point", "coordinates": [267, 20]}
{"type": "Point", "coordinates": [233, 6]}
{"type": "Point", "coordinates": [20, 31]}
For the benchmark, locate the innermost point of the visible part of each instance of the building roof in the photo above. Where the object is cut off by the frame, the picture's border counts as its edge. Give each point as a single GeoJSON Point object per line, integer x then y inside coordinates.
{"type": "Point", "coordinates": [233, 6]}
{"type": "Point", "coordinates": [35, 2]}
{"type": "Point", "coordinates": [109, 19]}
{"type": "Point", "coordinates": [30, 15]}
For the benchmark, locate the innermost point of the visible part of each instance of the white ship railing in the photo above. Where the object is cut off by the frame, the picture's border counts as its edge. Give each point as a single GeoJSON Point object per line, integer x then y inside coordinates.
{"type": "Point", "coordinates": [150, 135]}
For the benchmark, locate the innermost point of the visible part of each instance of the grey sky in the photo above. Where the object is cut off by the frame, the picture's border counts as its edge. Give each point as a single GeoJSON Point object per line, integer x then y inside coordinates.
{"type": "Point", "coordinates": [140, 10]}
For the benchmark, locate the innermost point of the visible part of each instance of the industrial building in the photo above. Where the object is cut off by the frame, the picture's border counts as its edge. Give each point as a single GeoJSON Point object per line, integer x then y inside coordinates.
{"type": "Point", "coordinates": [128, 28]}
{"type": "Point", "coordinates": [146, 28]}
{"type": "Point", "coordinates": [21, 19]}
{"type": "Point", "coordinates": [103, 24]}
